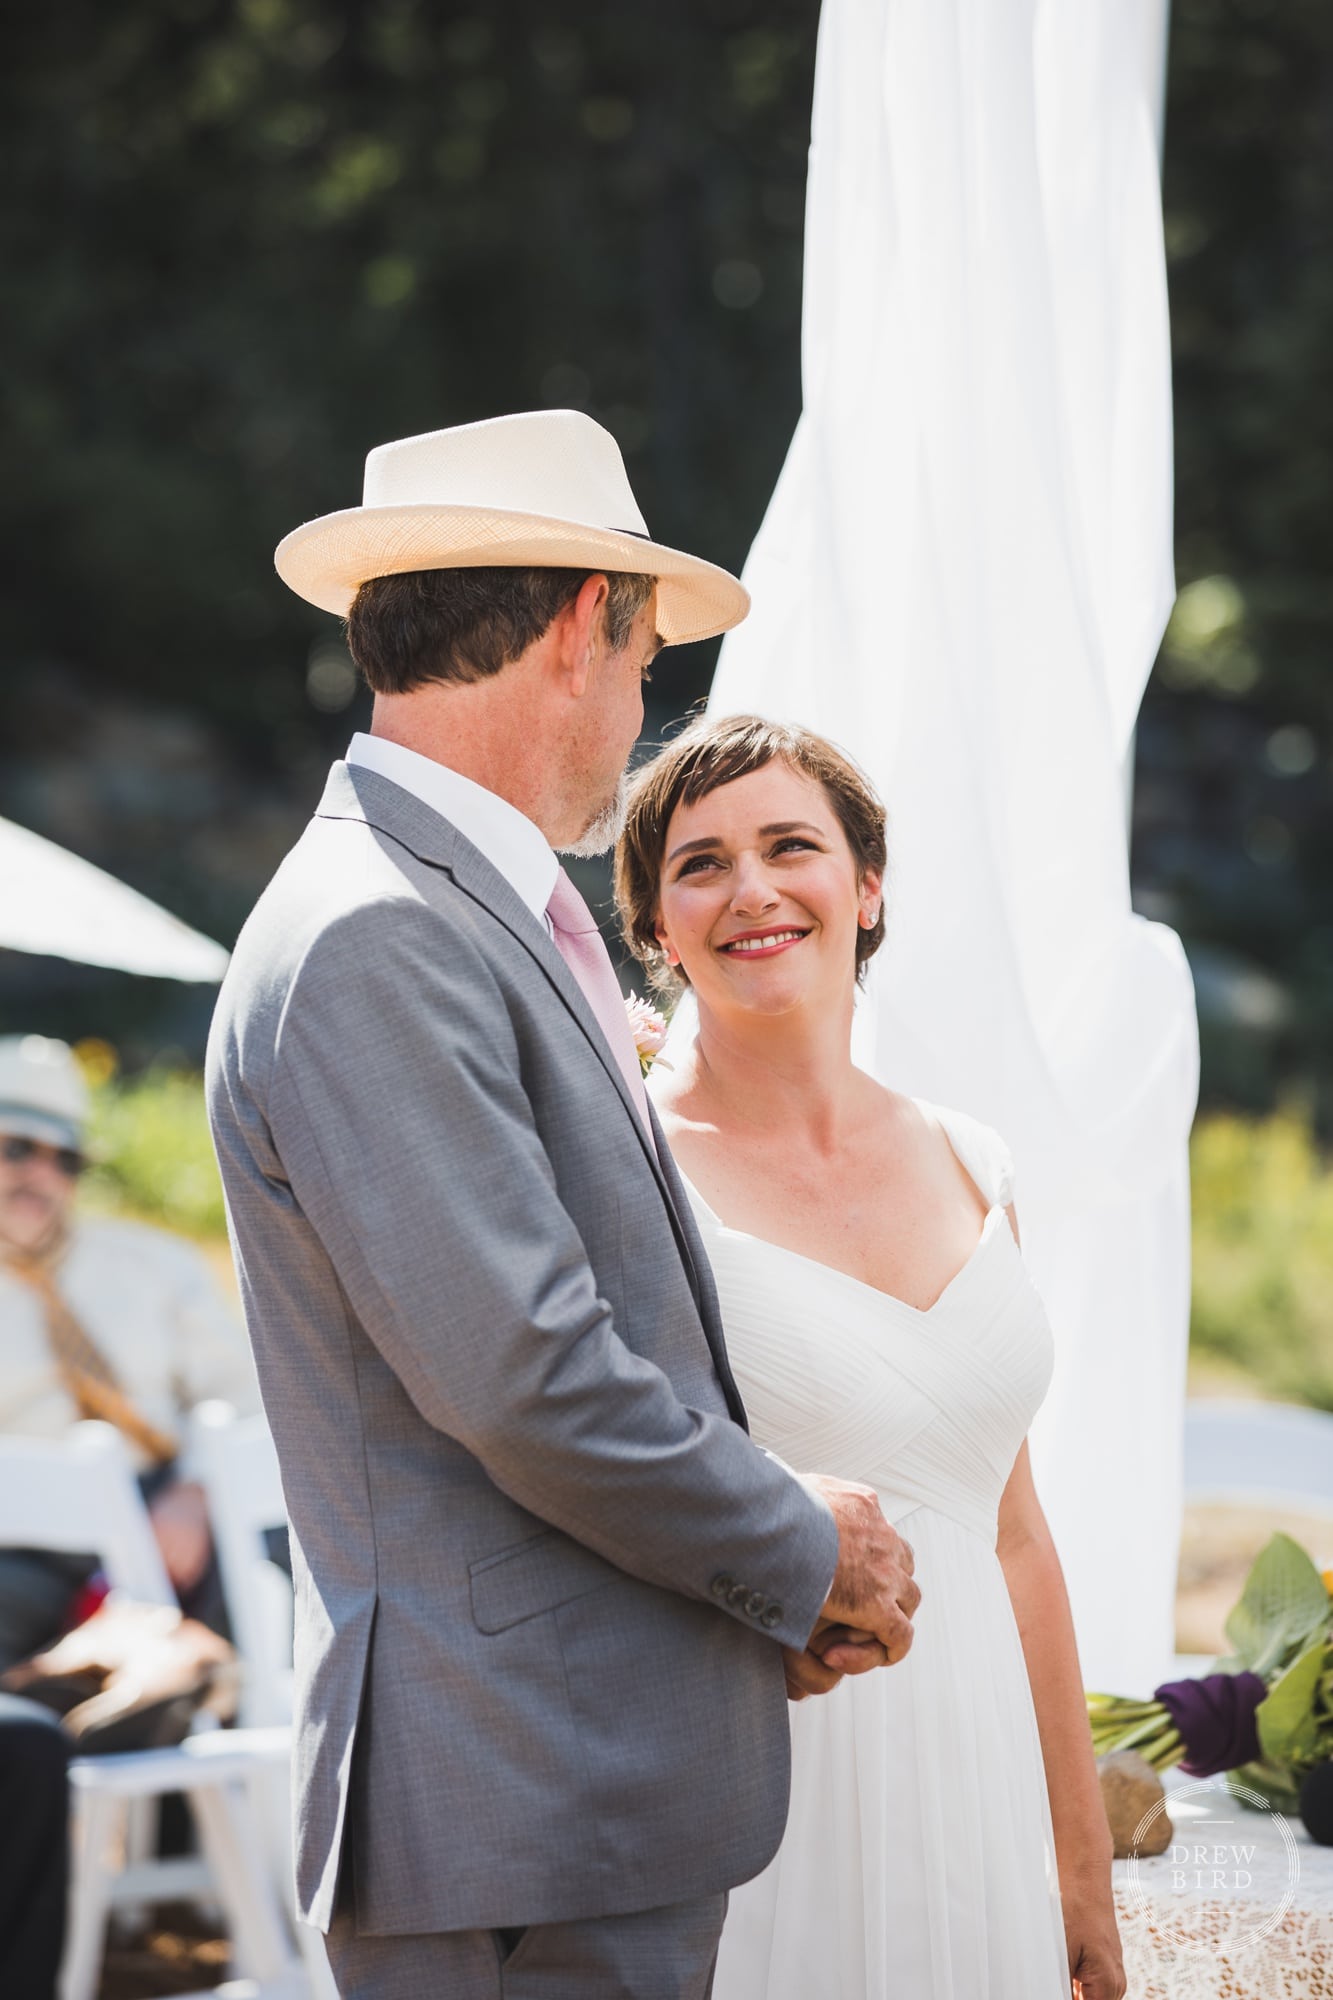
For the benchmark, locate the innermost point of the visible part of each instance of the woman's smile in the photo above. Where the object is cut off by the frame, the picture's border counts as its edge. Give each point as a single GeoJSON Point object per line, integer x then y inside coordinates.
{"type": "Point", "coordinates": [762, 944]}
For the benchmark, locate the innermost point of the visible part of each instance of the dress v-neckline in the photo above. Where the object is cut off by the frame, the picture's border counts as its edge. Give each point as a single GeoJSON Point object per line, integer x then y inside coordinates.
{"type": "Point", "coordinates": [849, 1277]}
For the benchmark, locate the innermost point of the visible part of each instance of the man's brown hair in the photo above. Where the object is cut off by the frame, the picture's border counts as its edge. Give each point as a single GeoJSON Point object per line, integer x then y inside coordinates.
{"type": "Point", "coordinates": [700, 760]}
{"type": "Point", "coordinates": [465, 624]}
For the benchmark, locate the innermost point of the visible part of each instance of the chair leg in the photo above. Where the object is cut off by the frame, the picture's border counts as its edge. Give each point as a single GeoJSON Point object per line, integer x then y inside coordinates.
{"type": "Point", "coordinates": [99, 1826]}
{"type": "Point", "coordinates": [233, 1840]}
{"type": "Point", "coordinates": [271, 1792]}
{"type": "Point", "coordinates": [141, 1831]}
{"type": "Point", "coordinates": [315, 1958]}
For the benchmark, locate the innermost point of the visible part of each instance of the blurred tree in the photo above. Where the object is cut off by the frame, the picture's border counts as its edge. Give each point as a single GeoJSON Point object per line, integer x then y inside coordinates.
{"type": "Point", "coordinates": [1235, 828]}
{"type": "Point", "coordinates": [262, 235]}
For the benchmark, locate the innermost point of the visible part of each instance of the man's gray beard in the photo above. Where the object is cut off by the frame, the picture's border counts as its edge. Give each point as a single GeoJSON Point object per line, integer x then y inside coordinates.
{"type": "Point", "coordinates": [604, 830]}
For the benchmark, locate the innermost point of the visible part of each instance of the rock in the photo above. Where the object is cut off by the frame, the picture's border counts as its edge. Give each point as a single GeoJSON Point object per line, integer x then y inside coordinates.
{"type": "Point", "coordinates": [1130, 1789]}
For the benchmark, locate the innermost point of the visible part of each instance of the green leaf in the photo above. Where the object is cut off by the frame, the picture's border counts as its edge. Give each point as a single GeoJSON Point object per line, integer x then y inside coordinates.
{"type": "Point", "coordinates": [1283, 1605]}
{"type": "Point", "coordinates": [1288, 1727]}
{"type": "Point", "coordinates": [1273, 1785]}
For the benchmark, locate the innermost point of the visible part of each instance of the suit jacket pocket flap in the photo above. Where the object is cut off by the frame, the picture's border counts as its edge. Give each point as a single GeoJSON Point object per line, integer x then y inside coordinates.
{"type": "Point", "coordinates": [532, 1577]}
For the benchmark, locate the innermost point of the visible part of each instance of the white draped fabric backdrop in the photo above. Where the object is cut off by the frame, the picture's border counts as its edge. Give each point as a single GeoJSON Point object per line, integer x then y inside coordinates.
{"type": "Point", "coordinates": [963, 578]}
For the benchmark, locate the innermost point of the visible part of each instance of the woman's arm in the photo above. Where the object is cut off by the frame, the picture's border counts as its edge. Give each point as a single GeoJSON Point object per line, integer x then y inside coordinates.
{"type": "Point", "coordinates": [1082, 1836]}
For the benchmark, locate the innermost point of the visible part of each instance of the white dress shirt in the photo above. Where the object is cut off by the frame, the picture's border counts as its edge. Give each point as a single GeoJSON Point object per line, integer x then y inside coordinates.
{"type": "Point", "coordinates": [515, 848]}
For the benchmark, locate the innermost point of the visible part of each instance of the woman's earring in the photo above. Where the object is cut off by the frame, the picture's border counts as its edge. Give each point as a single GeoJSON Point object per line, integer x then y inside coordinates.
{"type": "Point", "coordinates": [869, 918]}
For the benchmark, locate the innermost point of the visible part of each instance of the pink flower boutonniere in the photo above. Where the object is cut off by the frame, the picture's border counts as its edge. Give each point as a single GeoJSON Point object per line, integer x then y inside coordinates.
{"type": "Point", "coordinates": [649, 1030]}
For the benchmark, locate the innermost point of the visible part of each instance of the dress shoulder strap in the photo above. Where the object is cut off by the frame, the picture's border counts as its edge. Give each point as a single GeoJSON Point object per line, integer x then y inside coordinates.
{"type": "Point", "coordinates": [980, 1149]}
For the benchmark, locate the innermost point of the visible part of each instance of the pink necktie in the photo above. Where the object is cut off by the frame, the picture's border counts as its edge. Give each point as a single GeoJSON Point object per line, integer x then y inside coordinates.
{"type": "Point", "coordinates": [579, 943]}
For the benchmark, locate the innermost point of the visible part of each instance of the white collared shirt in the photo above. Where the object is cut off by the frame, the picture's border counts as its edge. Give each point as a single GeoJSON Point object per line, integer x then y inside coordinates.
{"type": "Point", "coordinates": [514, 846]}
{"type": "Point", "coordinates": [149, 1303]}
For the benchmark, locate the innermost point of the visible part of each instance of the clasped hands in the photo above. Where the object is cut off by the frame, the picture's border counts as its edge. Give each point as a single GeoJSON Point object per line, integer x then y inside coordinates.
{"type": "Point", "coordinates": [866, 1620]}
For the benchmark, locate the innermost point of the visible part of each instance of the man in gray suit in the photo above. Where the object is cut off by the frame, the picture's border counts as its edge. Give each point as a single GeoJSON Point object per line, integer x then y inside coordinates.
{"type": "Point", "coordinates": [546, 1585]}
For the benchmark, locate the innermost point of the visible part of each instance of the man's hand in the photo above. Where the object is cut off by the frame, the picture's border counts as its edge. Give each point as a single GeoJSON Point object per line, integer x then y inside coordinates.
{"type": "Point", "coordinates": [873, 1592]}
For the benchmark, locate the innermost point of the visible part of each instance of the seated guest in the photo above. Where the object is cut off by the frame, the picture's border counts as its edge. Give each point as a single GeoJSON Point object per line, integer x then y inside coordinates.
{"type": "Point", "coordinates": [98, 1318]}
{"type": "Point", "coordinates": [34, 1848]}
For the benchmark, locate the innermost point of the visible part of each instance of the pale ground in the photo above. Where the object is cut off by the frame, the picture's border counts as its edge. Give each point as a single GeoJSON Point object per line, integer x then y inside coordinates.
{"type": "Point", "coordinates": [1216, 1549]}
{"type": "Point", "coordinates": [1218, 1544]}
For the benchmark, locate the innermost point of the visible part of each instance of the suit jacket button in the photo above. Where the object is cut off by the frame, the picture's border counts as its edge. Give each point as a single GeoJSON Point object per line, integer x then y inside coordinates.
{"type": "Point", "coordinates": [721, 1584]}
{"type": "Point", "coordinates": [738, 1593]}
{"type": "Point", "coordinates": [772, 1617]}
{"type": "Point", "coordinates": [755, 1603]}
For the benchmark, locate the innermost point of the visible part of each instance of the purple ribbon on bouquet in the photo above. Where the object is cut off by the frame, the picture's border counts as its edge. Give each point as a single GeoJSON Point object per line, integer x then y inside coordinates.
{"type": "Point", "coordinates": [1216, 1720]}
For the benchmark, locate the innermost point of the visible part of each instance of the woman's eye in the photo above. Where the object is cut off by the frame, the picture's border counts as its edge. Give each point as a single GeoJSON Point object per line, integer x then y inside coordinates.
{"type": "Point", "coordinates": [694, 864]}
{"type": "Point", "coordinates": [793, 840]}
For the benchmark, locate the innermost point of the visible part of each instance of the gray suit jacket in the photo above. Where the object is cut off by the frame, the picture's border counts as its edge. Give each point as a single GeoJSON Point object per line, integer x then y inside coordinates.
{"type": "Point", "coordinates": [541, 1570]}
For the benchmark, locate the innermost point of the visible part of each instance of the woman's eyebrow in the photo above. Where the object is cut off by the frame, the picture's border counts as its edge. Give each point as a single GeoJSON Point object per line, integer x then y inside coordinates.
{"type": "Point", "coordinates": [693, 847]}
{"type": "Point", "coordinates": [712, 840]}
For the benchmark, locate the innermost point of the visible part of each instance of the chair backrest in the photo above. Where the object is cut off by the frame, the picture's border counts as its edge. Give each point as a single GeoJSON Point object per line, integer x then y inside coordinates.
{"type": "Point", "coordinates": [238, 1468]}
{"type": "Point", "coordinates": [78, 1495]}
{"type": "Point", "coordinates": [1274, 1453]}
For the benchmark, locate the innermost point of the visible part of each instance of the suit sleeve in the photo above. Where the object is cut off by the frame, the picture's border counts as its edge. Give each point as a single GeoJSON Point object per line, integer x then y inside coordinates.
{"type": "Point", "coordinates": [397, 1108]}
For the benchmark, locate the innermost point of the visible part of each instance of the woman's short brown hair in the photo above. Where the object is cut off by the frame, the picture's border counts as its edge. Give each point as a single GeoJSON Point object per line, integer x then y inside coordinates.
{"type": "Point", "coordinates": [700, 760]}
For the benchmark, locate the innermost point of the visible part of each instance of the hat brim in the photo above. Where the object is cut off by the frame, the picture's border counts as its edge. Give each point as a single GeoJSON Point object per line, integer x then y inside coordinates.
{"type": "Point", "coordinates": [328, 560]}
{"type": "Point", "coordinates": [18, 1121]}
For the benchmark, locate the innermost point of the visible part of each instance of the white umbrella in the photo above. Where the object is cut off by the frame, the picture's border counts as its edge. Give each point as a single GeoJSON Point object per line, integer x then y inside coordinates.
{"type": "Point", "coordinates": [52, 902]}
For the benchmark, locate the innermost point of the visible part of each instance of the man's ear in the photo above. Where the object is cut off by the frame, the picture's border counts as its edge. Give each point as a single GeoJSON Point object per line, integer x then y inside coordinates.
{"type": "Point", "coordinates": [579, 628]}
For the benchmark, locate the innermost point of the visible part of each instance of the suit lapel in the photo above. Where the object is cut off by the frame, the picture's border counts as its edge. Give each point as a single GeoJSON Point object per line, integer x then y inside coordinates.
{"type": "Point", "coordinates": [355, 793]}
{"type": "Point", "coordinates": [697, 1265]}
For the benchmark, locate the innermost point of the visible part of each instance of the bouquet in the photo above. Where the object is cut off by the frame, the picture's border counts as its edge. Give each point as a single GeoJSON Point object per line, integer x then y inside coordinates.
{"type": "Point", "coordinates": [1265, 1714]}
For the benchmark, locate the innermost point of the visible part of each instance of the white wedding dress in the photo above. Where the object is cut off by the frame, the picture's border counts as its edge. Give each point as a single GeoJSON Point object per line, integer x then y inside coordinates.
{"type": "Point", "coordinates": [918, 1861]}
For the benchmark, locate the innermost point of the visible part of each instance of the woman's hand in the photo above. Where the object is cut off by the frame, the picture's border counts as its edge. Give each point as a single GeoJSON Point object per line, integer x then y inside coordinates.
{"type": "Point", "coordinates": [1092, 1940]}
{"type": "Point", "coordinates": [834, 1650]}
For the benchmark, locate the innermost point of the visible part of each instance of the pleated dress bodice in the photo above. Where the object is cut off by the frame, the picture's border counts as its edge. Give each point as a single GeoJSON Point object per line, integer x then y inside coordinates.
{"type": "Point", "coordinates": [929, 1405]}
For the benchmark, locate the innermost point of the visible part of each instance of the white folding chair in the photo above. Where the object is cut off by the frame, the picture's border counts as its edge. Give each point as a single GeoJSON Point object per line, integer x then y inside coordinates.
{"type": "Point", "coordinates": [238, 1469]}
{"type": "Point", "coordinates": [80, 1496]}
{"type": "Point", "coordinates": [45, 1493]}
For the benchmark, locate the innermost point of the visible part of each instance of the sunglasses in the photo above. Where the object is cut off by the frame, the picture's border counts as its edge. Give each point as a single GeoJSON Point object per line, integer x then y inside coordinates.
{"type": "Point", "coordinates": [67, 1160]}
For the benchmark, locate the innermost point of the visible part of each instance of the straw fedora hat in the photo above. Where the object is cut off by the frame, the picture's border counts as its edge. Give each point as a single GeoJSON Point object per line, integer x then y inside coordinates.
{"type": "Point", "coordinates": [547, 488]}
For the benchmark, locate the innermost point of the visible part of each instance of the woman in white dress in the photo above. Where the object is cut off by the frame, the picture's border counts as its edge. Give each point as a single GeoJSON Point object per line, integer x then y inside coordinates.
{"type": "Point", "coordinates": [946, 1838]}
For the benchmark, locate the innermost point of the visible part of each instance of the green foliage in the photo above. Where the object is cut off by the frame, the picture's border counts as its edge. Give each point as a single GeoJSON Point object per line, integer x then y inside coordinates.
{"type": "Point", "coordinates": [1283, 1605]}
{"type": "Point", "coordinates": [1234, 828]}
{"type": "Point", "coordinates": [1263, 1253]}
{"type": "Point", "coordinates": [154, 1154]}
{"type": "Point", "coordinates": [1288, 1719]}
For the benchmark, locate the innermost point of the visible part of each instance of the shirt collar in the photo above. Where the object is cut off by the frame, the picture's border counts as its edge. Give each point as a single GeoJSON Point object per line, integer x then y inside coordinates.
{"type": "Point", "coordinates": [513, 845]}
